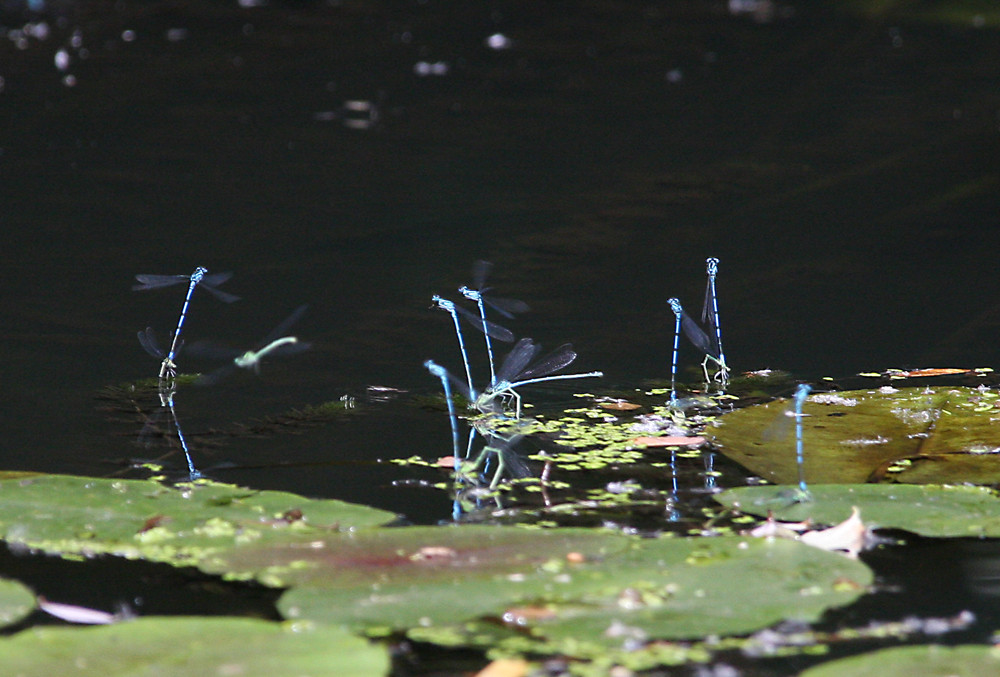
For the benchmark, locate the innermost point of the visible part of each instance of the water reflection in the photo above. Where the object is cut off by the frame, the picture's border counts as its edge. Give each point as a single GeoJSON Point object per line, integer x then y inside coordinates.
{"type": "Point", "coordinates": [154, 429]}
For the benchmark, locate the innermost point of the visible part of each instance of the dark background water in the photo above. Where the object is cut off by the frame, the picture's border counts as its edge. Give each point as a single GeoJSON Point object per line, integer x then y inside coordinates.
{"type": "Point", "coordinates": [844, 170]}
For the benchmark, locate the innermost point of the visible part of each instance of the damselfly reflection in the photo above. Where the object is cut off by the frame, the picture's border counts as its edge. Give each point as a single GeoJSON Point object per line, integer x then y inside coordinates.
{"type": "Point", "coordinates": [151, 426]}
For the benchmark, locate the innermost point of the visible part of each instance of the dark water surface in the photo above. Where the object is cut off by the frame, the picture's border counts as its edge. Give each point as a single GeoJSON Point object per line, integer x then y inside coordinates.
{"type": "Point", "coordinates": [846, 173]}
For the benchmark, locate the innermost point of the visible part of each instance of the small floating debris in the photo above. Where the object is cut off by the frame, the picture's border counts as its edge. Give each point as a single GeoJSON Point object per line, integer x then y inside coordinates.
{"type": "Point", "coordinates": [76, 614]}
{"type": "Point", "coordinates": [426, 68]}
{"type": "Point", "coordinates": [498, 42]}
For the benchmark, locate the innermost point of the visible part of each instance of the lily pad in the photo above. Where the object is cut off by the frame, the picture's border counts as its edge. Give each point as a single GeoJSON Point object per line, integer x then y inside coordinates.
{"type": "Point", "coordinates": [690, 588]}
{"type": "Point", "coordinates": [16, 601]}
{"type": "Point", "coordinates": [183, 525]}
{"type": "Point", "coordinates": [907, 661]}
{"type": "Point", "coordinates": [941, 511]}
{"type": "Point", "coordinates": [872, 435]}
{"type": "Point", "coordinates": [575, 584]}
{"type": "Point", "coordinates": [424, 575]}
{"type": "Point", "coordinates": [191, 646]}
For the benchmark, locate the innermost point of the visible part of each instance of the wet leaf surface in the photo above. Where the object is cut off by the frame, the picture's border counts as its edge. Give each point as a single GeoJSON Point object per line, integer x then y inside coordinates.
{"type": "Point", "coordinates": [16, 601]}
{"type": "Point", "coordinates": [183, 525]}
{"type": "Point", "coordinates": [907, 435]}
{"type": "Point", "coordinates": [944, 511]}
{"type": "Point", "coordinates": [191, 646]}
{"type": "Point", "coordinates": [579, 585]}
{"type": "Point", "coordinates": [907, 661]}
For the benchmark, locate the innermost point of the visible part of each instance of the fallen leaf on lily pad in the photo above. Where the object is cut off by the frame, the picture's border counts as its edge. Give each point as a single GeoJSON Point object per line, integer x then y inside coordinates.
{"type": "Point", "coordinates": [941, 511]}
{"type": "Point", "coordinates": [773, 528]}
{"type": "Point", "coordinates": [848, 536]}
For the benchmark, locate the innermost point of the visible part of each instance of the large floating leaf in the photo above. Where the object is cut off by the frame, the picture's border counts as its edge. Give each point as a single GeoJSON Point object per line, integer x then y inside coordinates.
{"type": "Point", "coordinates": [179, 646]}
{"type": "Point", "coordinates": [144, 519]}
{"type": "Point", "coordinates": [908, 661]}
{"type": "Point", "coordinates": [926, 510]}
{"type": "Point", "coordinates": [568, 586]}
{"type": "Point", "coordinates": [16, 601]}
{"type": "Point", "coordinates": [909, 435]}
{"type": "Point", "coordinates": [403, 577]}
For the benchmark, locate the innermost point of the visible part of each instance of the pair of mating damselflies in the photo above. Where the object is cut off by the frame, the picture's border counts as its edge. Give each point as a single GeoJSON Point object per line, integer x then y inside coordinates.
{"type": "Point", "coordinates": [710, 346]}
{"type": "Point", "coordinates": [481, 295]}
{"type": "Point", "coordinates": [200, 277]}
{"type": "Point", "coordinates": [272, 345]}
{"type": "Point", "coordinates": [515, 370]}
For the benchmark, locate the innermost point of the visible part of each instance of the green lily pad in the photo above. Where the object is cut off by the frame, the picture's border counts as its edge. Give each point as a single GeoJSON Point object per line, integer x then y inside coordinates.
{"type": "Point", "coordinates": [183, 525]}
{"type": "Point", "coordinates": [16, 601]}
{"type": "Point", "coordinates": [941, 511]}
{"type": "Point", "coordinates": [191, 646]}
{"type": "Point", "coordinates": [569, 586]}
{"type": "Point", "coordinates": [690, 588]}
{"type": "Point", "coordinates": [419, 575]}
{"type": "Point", "coordinates": [907, 661]}
{"type": "Point", "coordinates": [872, 435]}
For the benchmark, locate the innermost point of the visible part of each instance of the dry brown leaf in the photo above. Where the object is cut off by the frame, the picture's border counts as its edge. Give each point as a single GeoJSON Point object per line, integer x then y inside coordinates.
{"type": "Point", "coordinates": [933, 372]}
{"type": "Point", "coordinates": [670, 441]}
{"type": "Point", "coordinates": [619, 405]}
{"type": "Point", "coordinates": [772, 528]}
{"type": "Point", "coordinates": [848, 536]}
{"type": "Point", "coordinates": [505, 667]}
